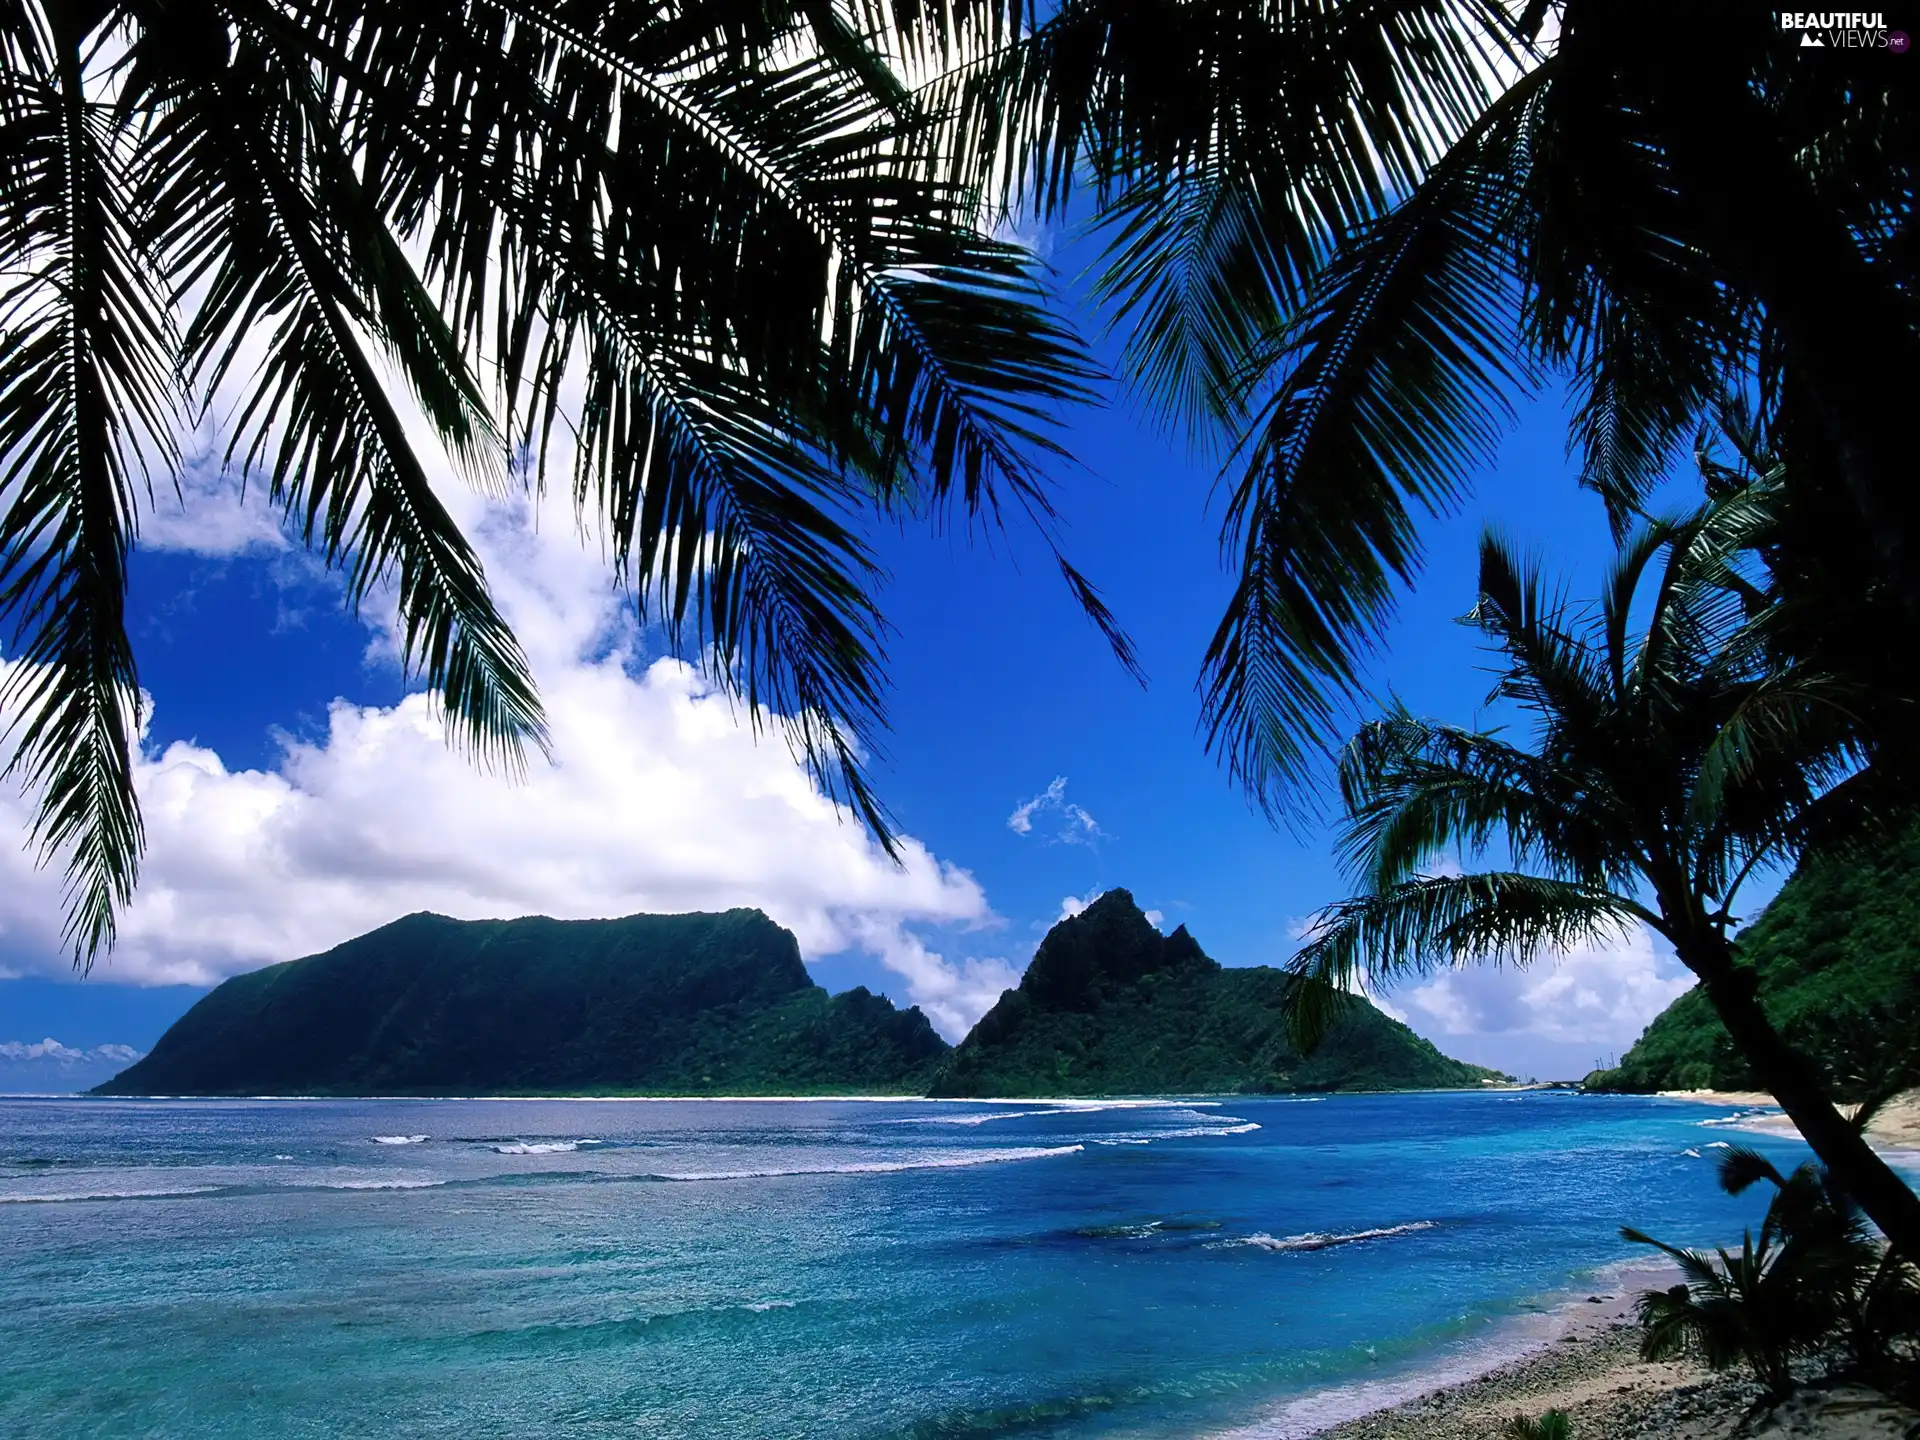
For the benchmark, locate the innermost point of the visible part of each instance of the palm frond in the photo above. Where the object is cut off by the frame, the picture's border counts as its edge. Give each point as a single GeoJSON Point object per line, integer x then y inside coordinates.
{"type": "Point", "coordinates": [1416, 792]}
{"type": "Point", "coordinates": [1392, 385]}
{"type": "Point", "coordinates": [316, 415]}
{"type": "Point", "coordinates": [1425, 924]}
{"type": "Point", "coordinates": [1742, 1167]}
{"type": "Point", "coordinates": [86, 408]}
{"type": "Point", "coordinates": [1197, 269]}
{"type": "Point", "coordinates": [1617, 299]}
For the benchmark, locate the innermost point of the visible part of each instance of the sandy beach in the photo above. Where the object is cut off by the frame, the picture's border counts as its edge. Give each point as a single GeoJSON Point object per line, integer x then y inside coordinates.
{"type": "Point", "coordinates": [1895, 1127]}
{"type": "Point", "coordinates": [1593, 1371]}
{"type": "Point", "coordinates": [1595, 1374]}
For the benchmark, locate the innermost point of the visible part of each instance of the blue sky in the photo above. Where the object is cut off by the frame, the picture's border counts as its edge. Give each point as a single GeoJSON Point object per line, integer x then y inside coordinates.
{"type": "Point", "coordinates": [1001, 689]}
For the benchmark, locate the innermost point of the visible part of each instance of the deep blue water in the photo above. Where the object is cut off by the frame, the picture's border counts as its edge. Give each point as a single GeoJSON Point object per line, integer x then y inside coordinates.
{"type": "Point", "coordinates": [831, 1269]}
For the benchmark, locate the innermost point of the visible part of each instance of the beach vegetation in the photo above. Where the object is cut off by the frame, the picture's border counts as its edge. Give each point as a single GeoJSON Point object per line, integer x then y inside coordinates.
{"type": "Point", "coordinates": [1667, 753]}
{"type": "Point", "coordinates": [1814, 1282]}
{"type": "Point", "coordinates": [1836, 957]}
{"type": "Point", "coordinates": [1554, 1425]}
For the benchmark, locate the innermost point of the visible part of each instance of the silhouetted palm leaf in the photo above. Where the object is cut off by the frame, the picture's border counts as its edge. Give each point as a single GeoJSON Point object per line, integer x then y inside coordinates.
{"type": "Point", "coordinates": [690, 244]}
{"type": "Point", "coordinates": [1344, 234]}
{"type": "Point", "coordinates": [1666, 757]}
{"type": "Point", "coordinates": [1811, 1278]}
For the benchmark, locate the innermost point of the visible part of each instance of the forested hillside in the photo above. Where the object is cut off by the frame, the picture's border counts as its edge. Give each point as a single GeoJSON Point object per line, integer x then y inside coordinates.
{"type": "Point", "coordinates": [663, 1004]}
{"type": "Point", "coordinates": [1110, 1006]}
{"type": "Point", "coordinates": [1838, 956]}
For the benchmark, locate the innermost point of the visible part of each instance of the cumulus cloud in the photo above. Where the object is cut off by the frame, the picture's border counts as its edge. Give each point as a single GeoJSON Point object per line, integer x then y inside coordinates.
{"type": "Point", "coordinates": [53, 1050]}
{"type": "Point", "coordinates": [1067, 823]}
{"type": "Point", "coordinates": [1573, 1009]}
{"type": "Point", "coordinates": [48, 1049]}
{"type": "Point", "coordinates": [1601, 992]}
{"type": "Point", "coordinates": [1564, 1014]}
{"type": "Point", "coordinates": [953, 995]}
{"type": "Point", "coordinates": [659, 798]}
{"type": "Point", "coordinates": [213, 516]}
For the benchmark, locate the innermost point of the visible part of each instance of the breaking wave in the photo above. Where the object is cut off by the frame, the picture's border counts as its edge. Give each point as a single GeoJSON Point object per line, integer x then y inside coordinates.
{"type": "Point", "coordinates": [879, 1167]}
{"type": "Point", "coordinates": [543, 1147]}
{"type": "Point", "coordinates": [1315, 1240]}
{"type": "Point", "coordinates": [148, 1194]}
{"type": "Point", "coordinates": [371, 1185]}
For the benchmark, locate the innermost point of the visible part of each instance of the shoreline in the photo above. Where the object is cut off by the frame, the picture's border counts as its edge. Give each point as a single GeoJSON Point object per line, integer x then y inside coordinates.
{"type": "Point", "coordinates": [1534, 1361]}
{"type": "Point", "coordinates": [1594, 1374]}
{"type": "Point", "coordinates": [1592, 1368]}
{"type": "Point", "coordinates": [1196, 1097]}
{"type": "Point", "coordinates": [1609, 1393]}
{"type": "Point", "coordinates": [1894, 1131]}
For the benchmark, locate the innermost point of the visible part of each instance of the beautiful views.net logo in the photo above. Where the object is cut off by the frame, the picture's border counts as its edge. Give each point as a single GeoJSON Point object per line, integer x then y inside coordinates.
{"type": "Point", "coordinates": [1843, 30]}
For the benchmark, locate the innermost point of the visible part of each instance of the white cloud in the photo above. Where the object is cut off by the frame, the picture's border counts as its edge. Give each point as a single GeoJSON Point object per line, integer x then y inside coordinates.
{"type": "Point", "coordinates": [1588, 1003]}
{"type": "Point", "coordinates": [1021, 820]}
{"type": "Point", "coordinates": [211, 517]}
{"type": "Point", "coordinates": [1560, 1016]}
{"type": "Point", "coordinates": [658, 799]}
{"type": "Point", "coordinates": [952, 995]}
{"type": "Point", "coordinates": [1076, 826]}
{"type": "Point", "coordinates": [48, 1049]}
{"type": "Point", "coordinates": [51, 1051]}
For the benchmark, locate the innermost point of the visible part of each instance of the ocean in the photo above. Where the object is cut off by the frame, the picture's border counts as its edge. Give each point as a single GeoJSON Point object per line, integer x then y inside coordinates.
{"type": "Point", "coordinates": [745, 1269]}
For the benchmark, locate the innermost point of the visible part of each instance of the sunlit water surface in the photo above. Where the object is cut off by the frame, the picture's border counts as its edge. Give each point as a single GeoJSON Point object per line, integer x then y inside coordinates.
{"type": "Point", "coordinates": [747, 1269]}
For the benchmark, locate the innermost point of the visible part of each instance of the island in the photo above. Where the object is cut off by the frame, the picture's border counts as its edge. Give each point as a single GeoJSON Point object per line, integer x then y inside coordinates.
{"type": "Point", "coordinates": [697, 1004]}
{"type": "Point", "coordinates": [722, 1004]}
{"type": "Point", "coordinates": [1110, 1006]}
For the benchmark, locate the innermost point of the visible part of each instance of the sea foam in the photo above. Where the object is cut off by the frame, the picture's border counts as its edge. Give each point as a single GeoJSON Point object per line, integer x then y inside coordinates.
{"type": "Point", "coordinates": [880, 1167]}
{"type": "Point", "coordinates": [543, 1147]}
{"type": "Point", "coordinates": [79, 1195]}
{"type": "Point", "coordinates": [1315, 1240]}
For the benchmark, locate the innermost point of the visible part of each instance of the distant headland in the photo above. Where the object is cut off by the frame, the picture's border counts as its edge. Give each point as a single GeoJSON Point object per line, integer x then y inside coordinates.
{"type": "Point", "coordinates": [722, 1004]}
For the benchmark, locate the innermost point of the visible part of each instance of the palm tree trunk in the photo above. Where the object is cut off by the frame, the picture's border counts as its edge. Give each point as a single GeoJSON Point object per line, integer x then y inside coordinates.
{"type": "Point", "coordinates": [1786, 1075]}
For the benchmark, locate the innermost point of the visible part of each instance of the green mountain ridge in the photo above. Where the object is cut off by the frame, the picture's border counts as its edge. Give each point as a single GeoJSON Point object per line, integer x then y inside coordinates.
{"type": "Point", "coordinates": [696, 1004]}
{"type": "Point", "coordinates": [1838, 961]}
{"type": "Point", "coordinates": [1109, 1006]}
{"type": "Point", "coordinates": [722, 1004]}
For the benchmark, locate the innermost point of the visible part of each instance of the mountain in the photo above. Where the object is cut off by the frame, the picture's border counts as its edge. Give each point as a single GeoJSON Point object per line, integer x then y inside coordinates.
{"type": "Point", "coordinates": [662, 1004]}
{"type": "Point", "coordinates": [1838, 961]}
{"type": "Point", "coordinates": [46, 1067]}
{"type": "Point", "coordinates": [1110, 1006]}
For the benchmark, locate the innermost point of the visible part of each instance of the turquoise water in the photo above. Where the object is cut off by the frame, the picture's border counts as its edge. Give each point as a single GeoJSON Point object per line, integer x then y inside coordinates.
{"type": "Point", "coordinates": [758, 1269]}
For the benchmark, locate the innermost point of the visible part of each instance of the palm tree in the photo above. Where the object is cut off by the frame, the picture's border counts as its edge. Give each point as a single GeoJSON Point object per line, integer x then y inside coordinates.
{"type": "Point", "coordinates": [1811, 1278]}
{"type": "Point", "coordinates": [682, 237]}
{"type": "Point", "coordinates": [1666, 762]}
{"type": "Point", "coordinates": [1345, 234]}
